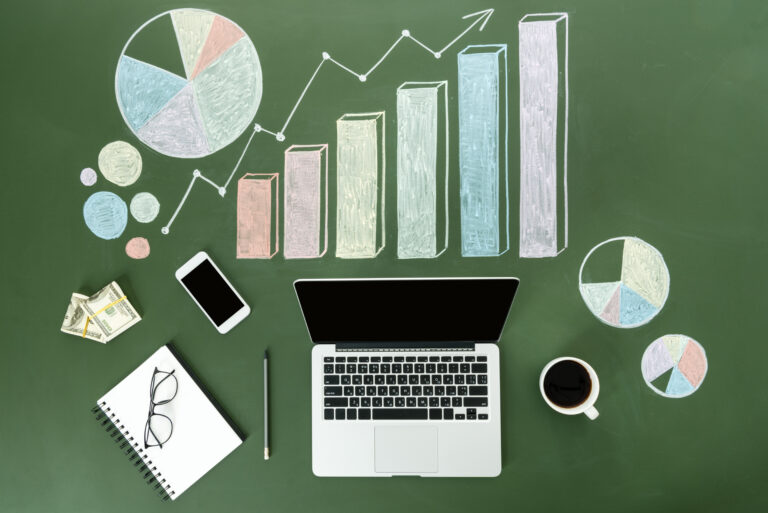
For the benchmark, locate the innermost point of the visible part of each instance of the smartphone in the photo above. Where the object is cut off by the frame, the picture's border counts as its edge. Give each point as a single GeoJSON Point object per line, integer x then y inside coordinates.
{"type": "Point", "coordinates": [212, 292]}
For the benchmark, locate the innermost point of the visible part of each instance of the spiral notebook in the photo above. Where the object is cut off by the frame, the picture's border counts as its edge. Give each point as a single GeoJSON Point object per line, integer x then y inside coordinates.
{"type": "Point", "coordinates": [202, 435]}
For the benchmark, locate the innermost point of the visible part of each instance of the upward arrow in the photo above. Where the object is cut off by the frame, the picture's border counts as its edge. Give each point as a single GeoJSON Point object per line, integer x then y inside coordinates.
{"type": "Point", "coordinates": [483, 16]}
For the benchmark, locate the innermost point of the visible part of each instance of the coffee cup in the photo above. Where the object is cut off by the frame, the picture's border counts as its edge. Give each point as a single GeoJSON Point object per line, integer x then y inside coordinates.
{"type": "Point", "coordinates": [570, 386]}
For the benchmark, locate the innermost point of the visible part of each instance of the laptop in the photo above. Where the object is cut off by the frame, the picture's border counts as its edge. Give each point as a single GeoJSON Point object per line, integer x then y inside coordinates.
{"type": "Point", "coordinates": [405, 375]}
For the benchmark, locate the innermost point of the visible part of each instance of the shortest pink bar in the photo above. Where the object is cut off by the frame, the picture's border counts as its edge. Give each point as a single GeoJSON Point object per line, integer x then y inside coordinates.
{"type": "Point", "coordinates": [257, 224]}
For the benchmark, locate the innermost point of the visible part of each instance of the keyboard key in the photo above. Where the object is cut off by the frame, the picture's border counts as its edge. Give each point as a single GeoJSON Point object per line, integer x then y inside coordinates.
{"type": "Point", "coordinates": [471, 416]}
{"type": "Point", "coordinates": [351, 368]}
{"type": "Point", "coordinates": [328, 368]}
{"type": "Point", "coordinates": [360, 390]}
{"type": "Point", "coordinates": [389, 402]}
{"type": "Point", "coordinates": [478, 390]}
{"type": "Point", "coordinates": [456, 402]}
{"type": "Point", "coordinates": [340, 414]}
{"type": "Point", "coordinates": [424, 379]}
{"type": "Point", "coordinates": [448, 413]}
{"type": "Point", "coordinates": [451, 391]}
{"type": "Point", "coordinates": [471, 379]}
{"type": "Point", "coordinates": [460, 416]}
{"type": "Point", "coordinates": [364, 414]}
{"type": "Point", "coordinates": [422, 402]}
{"type": "Point", "coordinates": [475, 401]}
{"type": "Point", "coordinates": [362, 368]}
{"type": "Point", "coordinates": [365, 402]}
{"type": "Point", "coordinates": [331, 380]}
{"type": "Point", "coordinates": [397, 368]}
{"type": "Point", "coordinates": [328, 414]}
{"type": "Point", "coordinates": [328, 359]}
{"type": "Point", "coordinates": [445, 358]}
{"type": "Point", "coordinates": [385, 368]}
{"type": "Point", "coordinates": [346, 379]}
{"type": "Point", "coordinates": [471, 411]}
{"type": "Point", "coordinates": [421, 358]}
{"type": "Point", "coordinates": [376, 402]}
{"type": "Point", "coordinates": [405, 390]}
{"type": "Point", "coordinates": [464, 368]}
{"type": "Point", "coordinates": [335, 402]}
{"type": "Point", "coordinates": [445, 402]}
{"type": "Point", "coordinates": [352, 414]}
{"type": "Point", "coordinates": [448, 379]}
{"type": "Point", "coordinates": [469, 359]}
{"type": "Point", "coordinates": [435, 414]}
{"type": "Point", "coordinates": [399, 358]}
{"type": "Point", "coordinates": [458, 358]}
{"type": "Point", "coordinates": [419, 368]}
{"type": "Point", "coordinates": [459, 379]}
{"type": "Point", "coordinates": [352, 359]}
{"type": "Point", "coordinates": [375, 359]}
{"type": "Point", "coordinates": [363, 359]}
{"type": "Point", "coordinates": [332, 391]}
{"type": "Point", "coordinates": [440, 390]}
{"type": "Point", "coordinates": [370, 391]}
{"type": "Point", "coordinates": [400, 402]}
{"type": "Point", "coordinates": [391, 379]}
{"type": "Point", "coordinates": [374, 368]}
{"type": "Point", "coordinates": [410, 358]}
{"type": "Point", "coordinates": [482, 358]}
{"type": "Point", "coordinates": [354, 402]}
{"type": "Point", "coordinates": [453, 368]}
{"type": "Point", "coordinates": [483, 416]}
{"type": "Point", "coordinates": [399, 414]}
{"type": "Point", "coordinates": [368, 379]}
{"type": "Point", "coordinates": [413, 379]}
{"type": "Point", "coordinates": [349, 391]}
{"type": "Point", "coordinates": [462, 390]}
{"type": "Point", "coordinates": [382, 391]}
{"type": "Point", "coordinates": [431, 368]}
{"type": "Point", "coordinates": [387, 359]}
{"type": "Point", "coordinates": [340, 359]}
{"type": "Point", "coordinates": [428, 390]}
{"type": "Point", "coordinates": [411, 402]}
{"type": "Point", "coordinates": [339, 368]}
{"type": "Point", "coordinates": [408, 368]}
{"type": "Point", "coordinates": [479, 368]}
{"type": "Point", "coordinates": [393, 390]}
{"type": "Point", "coordinates": [483, 380]}
{"type": "Point", "coordinates": [357, 379]}
{"type": "Point", "coordinates": [442, 368]}
{"type": "Point", "coordinates": [379, 380]}
{"type": "Point", "coordinates": [437, 379]}
{"type": "Point", "coordinates": [416, 390]}
{"type": "Point", "coordinates": [434, 401]}
{"type": "Point", "coordinates": [402, 379]}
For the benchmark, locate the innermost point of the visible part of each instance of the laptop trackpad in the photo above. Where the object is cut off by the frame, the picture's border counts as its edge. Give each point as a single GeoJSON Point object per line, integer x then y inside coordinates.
{"type": "Point", "coordinates": [406, 449]}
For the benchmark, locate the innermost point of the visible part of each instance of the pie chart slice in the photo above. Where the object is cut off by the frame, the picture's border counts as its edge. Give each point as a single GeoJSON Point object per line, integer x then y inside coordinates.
{"type": "Point", "coordinates": [674, 366]}
{"type": "Point", "coordinates": [641, 285]}
{"type": "Point", "coordinates": [203, 112]}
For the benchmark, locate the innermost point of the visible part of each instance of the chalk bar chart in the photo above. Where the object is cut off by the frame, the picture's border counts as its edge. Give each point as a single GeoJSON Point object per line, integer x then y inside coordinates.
{"type": "Point", "coordinates": [483, 159]}
{"type": "Point", "coordinates": [640, 288]}
{"type": "Point", "coordinates": [201, 113]}
{"type": "Point", "coordinates": [305, 201]}
{"type": "Point", "coordinates": [674, 366]}
{"type": "Point", "coordinates": [258, 211]}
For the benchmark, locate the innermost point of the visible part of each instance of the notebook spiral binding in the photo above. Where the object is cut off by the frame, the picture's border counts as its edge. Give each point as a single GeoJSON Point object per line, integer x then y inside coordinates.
{"type": "Point", "coordinates": [130, 447]}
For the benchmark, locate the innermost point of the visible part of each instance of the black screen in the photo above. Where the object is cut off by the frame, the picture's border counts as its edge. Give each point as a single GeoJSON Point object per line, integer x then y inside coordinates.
{"type": "Point", "coordinates": [437, 310]}
{"type": "Point", "coordinates": [213, 293]}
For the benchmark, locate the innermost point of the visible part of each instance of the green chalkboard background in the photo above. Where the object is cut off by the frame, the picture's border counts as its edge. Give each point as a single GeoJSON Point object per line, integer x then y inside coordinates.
{"type": "Point", "coordinates": [668, 126]}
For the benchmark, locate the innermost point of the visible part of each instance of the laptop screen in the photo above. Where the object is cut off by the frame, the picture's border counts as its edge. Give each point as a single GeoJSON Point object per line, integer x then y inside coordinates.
{"type": "Point", "coordinates": [406, 310]}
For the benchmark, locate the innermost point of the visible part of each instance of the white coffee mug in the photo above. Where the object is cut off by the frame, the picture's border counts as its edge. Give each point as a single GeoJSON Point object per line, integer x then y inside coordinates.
{"type": "Point", "coordinates": [588, 406]}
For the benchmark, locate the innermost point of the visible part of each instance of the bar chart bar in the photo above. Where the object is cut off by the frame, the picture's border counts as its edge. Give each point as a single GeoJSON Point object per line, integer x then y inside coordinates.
{"type": "Point", "coordinates": [360, 189]}
{"type": "Point", "coordinates": [305, 201]}
{"type": "Point", "coordinates": [543, 64]}
{"type": "Point", "coordinates": [257, 223]}
{"type": "Point", "coordinates": [483, 159]}
{"type": "Point", "coordinates": [422, 169]}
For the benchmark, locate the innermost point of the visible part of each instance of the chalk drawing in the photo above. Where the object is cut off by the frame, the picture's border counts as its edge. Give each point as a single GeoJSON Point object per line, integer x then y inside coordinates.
{"type": "Point", "coordinates": [674, 366]}
{"type": "Point", "coordinates": [137, 248]}
{"type": "Point", "coordinates": [120, 163]}
{"type": "Point", "coordinates": [483, 158]}
{"type": "Point", "coordinates": [360, 170]}
{"type": "Point", "coordinates": [190, 46]}
{"type": "Point", "coordinates": [639, 294]}
{"type": "Point", "coordinates": [305, 201]}
{"type": "Point", "coordinates": [543, 60]}
{"type": "Point", "coordinates": [105, 215]}
{"type": "Point", "coordinates": [196, 115]}
{"type": "Point", "coordinates": [422, 169]}
{"type": "Point", "coordinates": [144, 207]}
{"type": "Point", "coordinates": [258, 212]}
{"type": "Point", "coordinates": [88, 176]}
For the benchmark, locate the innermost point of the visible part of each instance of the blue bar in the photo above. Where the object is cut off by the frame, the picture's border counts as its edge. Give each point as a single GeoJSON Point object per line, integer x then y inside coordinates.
{"type": "Point", "coordinates": [483, 159]}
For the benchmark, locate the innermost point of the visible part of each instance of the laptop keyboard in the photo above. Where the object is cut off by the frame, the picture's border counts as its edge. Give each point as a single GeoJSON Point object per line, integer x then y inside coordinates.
{"type": "Point", "coordinates": [409, 387]}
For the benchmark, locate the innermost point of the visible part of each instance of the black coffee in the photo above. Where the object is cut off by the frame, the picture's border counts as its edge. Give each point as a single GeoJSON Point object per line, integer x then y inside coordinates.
{"type": "Point", "coordinates": [567, 384]}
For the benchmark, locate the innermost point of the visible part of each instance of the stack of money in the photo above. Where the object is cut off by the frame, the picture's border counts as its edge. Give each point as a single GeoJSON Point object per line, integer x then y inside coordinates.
{"type": "Point", "coordinates": [101, 317]}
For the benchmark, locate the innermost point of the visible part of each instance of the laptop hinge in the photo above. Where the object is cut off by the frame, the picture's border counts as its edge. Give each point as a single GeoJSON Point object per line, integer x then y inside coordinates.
{"type": "Point", "coordinates": [405, 346]}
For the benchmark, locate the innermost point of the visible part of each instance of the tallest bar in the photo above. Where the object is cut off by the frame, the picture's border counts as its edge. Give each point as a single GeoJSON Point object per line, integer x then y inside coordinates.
{"type": "Point", "coordinates": [483, 160]}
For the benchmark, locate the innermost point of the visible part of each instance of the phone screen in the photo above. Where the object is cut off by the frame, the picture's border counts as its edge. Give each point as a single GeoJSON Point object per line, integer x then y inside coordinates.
{"type": "Point", "coordinates": [213, 294]}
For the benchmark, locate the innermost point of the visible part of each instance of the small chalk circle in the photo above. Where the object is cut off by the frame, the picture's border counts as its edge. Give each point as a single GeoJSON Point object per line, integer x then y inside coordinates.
{"type": "Point", "coordinates": [406, 33]}
{"type": "Point", "coordinates": [280, 136]}
{"type": "Point", "coordinates": [196, 173]}
{"type": "Point", "coordinates": [164, 230]}
{"type": "Point", "coordinates": [222, 191]}
{"type": "Point", "coordinates": [362, 78]}
{"type": "Point", "coordinates": [257, 127]}
{"type": "Point", "coordinates": [326, 56]}
{"type": "Point", "coordinates": [438, 55]}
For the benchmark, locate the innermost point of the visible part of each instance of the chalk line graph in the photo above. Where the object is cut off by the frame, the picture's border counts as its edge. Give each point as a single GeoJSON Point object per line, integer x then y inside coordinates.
{"type": "Point", "coordinates": [480, 18]}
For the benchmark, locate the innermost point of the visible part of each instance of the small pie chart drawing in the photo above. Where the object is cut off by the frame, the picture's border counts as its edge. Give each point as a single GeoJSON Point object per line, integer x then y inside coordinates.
{"type": "Point", "coordinates": [674, 366]}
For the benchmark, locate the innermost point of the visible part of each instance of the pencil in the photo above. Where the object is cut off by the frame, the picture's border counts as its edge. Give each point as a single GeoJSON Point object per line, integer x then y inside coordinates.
{"type": "Point", "coordinates": [266, 407]}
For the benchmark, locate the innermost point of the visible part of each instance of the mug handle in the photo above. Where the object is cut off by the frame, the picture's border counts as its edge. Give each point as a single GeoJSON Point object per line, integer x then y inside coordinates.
{"type": "Point", "coordinates": [591, 412]}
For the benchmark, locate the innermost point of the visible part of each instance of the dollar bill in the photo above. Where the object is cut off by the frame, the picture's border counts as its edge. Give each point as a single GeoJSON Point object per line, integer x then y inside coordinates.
{"type": "Point", "coordinates": [107, 320]}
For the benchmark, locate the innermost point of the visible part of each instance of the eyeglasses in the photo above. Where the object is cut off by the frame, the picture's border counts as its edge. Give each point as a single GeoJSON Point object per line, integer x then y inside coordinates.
{"type": "Point", "coordinates": [162, 390]}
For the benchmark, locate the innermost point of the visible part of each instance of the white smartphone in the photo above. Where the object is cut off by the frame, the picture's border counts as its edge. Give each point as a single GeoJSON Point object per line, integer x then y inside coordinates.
{"type": "Point", "coordinates": [212, 292]}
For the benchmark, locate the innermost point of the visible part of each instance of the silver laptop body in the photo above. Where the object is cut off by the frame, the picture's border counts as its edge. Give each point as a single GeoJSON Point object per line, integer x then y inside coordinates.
{"type": "Point", "coordinates": [405, 375]}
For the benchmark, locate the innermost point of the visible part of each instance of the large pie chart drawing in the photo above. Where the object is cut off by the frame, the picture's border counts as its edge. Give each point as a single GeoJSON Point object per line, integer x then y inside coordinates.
{"type": "Point", "coordinates": [624, 282]}
{"type": "Point", "coordinates": [188, 82]}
